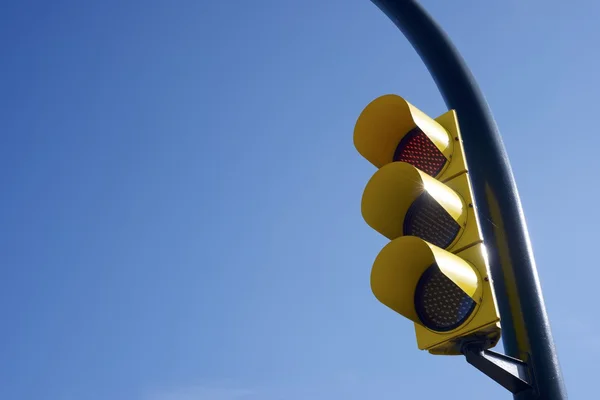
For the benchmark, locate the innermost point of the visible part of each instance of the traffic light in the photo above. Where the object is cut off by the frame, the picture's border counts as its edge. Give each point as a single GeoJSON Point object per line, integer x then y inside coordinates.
{"type": "Point", "coordinates": [434, 269]}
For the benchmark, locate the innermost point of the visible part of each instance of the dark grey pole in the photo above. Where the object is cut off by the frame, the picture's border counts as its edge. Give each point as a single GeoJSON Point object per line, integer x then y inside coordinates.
{"type": "Point", "coordinates": [526, 330]}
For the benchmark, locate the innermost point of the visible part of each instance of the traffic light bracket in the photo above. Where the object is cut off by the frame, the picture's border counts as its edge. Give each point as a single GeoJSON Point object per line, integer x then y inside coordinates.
{"type": "Point", "coordinates": [511, 373]}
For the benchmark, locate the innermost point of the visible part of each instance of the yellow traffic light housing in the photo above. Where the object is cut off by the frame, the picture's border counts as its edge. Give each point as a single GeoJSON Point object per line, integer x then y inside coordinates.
{"type": "Point", "coordinates": [434, 270]}
{"type": "Point", "coordinates": [402, 200]}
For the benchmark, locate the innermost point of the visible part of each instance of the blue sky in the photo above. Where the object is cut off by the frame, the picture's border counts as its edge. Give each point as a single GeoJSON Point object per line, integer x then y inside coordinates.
{"type": "Point", "coordinates": [180, 209]}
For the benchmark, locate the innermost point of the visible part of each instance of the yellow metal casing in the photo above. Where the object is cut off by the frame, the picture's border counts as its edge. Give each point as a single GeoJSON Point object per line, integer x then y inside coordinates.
{"type": "Point", "coordinates": [387, 119]}
{"type": "Point", "coordinates": [397, 270]}
{"type": "Point", "coordinates": [392, 190]}
{"type": "Point", "coordinates": [400, 264]}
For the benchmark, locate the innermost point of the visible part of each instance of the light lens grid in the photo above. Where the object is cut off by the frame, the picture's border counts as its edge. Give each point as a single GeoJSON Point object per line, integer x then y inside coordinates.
{"type": "Point", "coordinates": [440, 304]}
{"type": "Point", "coordinates": [428, 220]}
{"type": "Point", "coordinates": [418, 150]}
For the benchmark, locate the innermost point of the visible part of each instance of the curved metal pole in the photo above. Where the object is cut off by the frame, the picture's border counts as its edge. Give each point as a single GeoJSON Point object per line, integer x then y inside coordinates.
{"type": "Point", "coordinates": [526, 330]}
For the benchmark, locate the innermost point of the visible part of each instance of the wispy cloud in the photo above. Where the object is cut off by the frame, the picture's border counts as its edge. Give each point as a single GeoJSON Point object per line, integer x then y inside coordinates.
{"type": "Point", "coordinates": [199, 393]}
{"type": "Point", "coordinates": [345, 384]}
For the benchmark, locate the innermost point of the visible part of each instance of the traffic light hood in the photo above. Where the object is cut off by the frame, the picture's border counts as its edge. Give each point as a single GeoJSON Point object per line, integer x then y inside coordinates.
{"type": "Point", "coordinates": [388, 119]}
{"type": "Point", "coordinates": [401, 264]}
{"type": "Point", "coordinates": [385, 121]}
{"type": "Point", "coordinates": [393, 189]}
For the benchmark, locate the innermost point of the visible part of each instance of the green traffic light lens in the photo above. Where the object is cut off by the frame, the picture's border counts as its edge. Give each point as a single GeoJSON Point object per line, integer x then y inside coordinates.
{"type": "Point", "coordinates": [428, 220]}
{"type": "Point", "coordinates": [440, 304]}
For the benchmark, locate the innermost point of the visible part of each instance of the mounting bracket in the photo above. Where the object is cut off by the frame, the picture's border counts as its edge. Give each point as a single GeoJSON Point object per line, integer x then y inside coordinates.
{"type": "Point", "coordinates": [513, 374]}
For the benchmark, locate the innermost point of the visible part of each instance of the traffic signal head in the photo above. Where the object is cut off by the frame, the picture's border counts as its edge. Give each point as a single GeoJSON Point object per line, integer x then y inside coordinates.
{"type": "Point", "coordinates": [434, 270]}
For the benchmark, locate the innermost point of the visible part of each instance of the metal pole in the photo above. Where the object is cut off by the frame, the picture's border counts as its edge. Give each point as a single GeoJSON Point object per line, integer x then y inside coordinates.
{"type": "Point", "coordinates": [526, 330]}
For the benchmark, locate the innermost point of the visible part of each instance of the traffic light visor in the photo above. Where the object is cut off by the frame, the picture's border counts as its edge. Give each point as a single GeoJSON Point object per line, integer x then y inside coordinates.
{"type": "Point", "coordinates": [401, 200]}
{"type": "Point", "coordinates": [391, 129]}
{"type": "Point", "coordinates": [428, 285]}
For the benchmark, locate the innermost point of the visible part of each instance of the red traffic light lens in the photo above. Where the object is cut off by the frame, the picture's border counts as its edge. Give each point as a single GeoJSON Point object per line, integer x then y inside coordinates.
{"type": "Point", "coordinates": [440, 304]}
{"type": "Point", "coordinates": [418, 150]}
